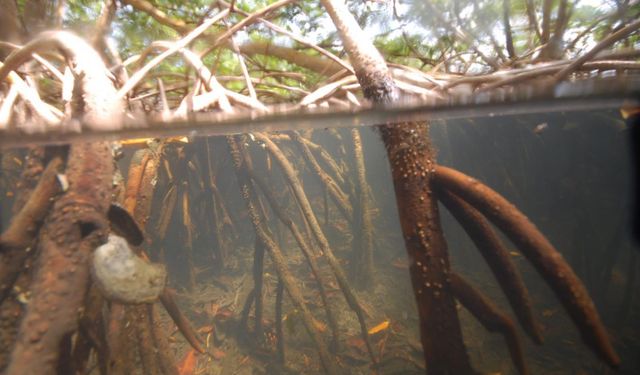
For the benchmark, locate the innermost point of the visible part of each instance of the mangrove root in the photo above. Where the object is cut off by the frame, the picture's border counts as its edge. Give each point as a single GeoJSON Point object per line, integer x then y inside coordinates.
{"type": "Point", "coordinates": [491, 317]}
{"type": "Point", "coordinates": [540, 252]}
{"type": "Point", "coordinates": [498, 259]}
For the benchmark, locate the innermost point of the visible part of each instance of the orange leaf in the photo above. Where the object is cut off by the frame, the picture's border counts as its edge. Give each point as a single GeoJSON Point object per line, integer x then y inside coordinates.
{"type": "Point", "coordinates": [380, 327]}
{"type": "Point", "coordinates": [321, 327]}
{"type": "Point", "coordinates": [188, 364]}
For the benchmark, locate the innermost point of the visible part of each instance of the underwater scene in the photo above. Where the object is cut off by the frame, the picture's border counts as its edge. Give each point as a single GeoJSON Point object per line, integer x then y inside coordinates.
{"type": "Point", "coordinates": [283, 252]}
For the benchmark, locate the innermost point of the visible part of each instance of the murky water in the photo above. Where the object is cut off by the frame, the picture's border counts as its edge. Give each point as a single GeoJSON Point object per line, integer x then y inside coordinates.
{"type": "Point", "coordinates": [569, 172]}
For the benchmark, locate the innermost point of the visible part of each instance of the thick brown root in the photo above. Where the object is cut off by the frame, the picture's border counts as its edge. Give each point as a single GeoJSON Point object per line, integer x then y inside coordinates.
{"type": "Point", "coordinates": [498, 259]}
{"type": "Point", "coordinates": [412, 161]}
{"type": "Point", "coordinates": [15, 241]}
{"type": "Point", "coordinates": [491, 317]}
{"type": "Point", "coordinates": [75, 228]}
{"type": "Point", "coordinates": [540, 252]}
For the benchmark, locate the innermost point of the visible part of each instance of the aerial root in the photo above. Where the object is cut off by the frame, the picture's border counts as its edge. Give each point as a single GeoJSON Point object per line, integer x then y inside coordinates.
{"type": "Point", "coordinates": [25, 226]}
{"type": "Point", "coordinates": [184, 326]}
{"type": "Point", "coordinates": [540, 252]}
{"type": "Point", "coordinates": [302, 244]}
{"type": "Point", "coordinates": [346, 289]}
{"type": "Point", "coordinates": [278, 324]}
{"type": "Point", "coordinates": [61, 277]}
{"type": "Point", "coordinates": [335, 192]}
{"type": "Point", "coordinates": [363, 236]}
{"type": "Point", "coordinates": [491, 317]}
{"type": "Point", "coordinates": [328, 363]}
{"type": "Point", "coordinates": [498, 258]}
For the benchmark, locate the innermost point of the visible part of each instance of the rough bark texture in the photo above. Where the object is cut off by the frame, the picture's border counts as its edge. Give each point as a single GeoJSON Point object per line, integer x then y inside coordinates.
{"type": "Point", "coordinates": [412, 166]}
{"type": "Point", "coordinates": [412, 162]}
{"type": "Point", "coordinates": [76, 226]}
{"type": "Point", "coordinates": [16, 241]}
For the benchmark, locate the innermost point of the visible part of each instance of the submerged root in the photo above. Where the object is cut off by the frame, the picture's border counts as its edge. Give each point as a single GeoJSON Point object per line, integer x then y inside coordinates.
{"type": "Point", "coordinates": [304, 247]}
{"type": "Point", "coordinates": [327, 362]}
{"type": "Point", "coordinates": [24, 227]}
{"type": "Point", "coordinates": [491, 317]}
{"type": "Point", "coordinates": [62, 275]}
{"type": "Point", "coordinates": [497, 257]}
{"type": "Point", "coordinates": [540, 252]}
{"type": "Point", "coordinates": [310, 218]}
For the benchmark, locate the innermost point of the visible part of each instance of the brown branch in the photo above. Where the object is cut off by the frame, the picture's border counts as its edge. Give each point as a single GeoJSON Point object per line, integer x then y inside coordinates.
{"type": "Point", "coordinates": [164, 352]}
{"type": "Point", "coordinates": [141, 73]}
{"type": "Point", "coordinates": [49, 114]}
{"type": "Point", "coordinates": [491, 317]}
{"type": "Point", "coordinates": [76, 226]}
{"type": "Point", "coordinates": [531, 15]}
{"type": "Point", "coordinates": [498, 258]}
{"type": "Point", "coordinates": [325, 248]}
{"type": "Point", "coordinates": [158, 15]}
{"type": "Point", "coordinates": [103, 23]}
{"type": "Point", "coordinates": [209, 80]}
{"type": "Point", "coordinates": [540, 252]}
{"type": "Point", "coordinates": [77, 223]}
{"type": "Point", "coordinates": [243, 68]}
{"type": "Point", "coordinates": [604, 43]}
{"type": "Point", "coordinates": [411, 158]}
{"type": "Point", "coordinates": [25, 224]}
{"type": "Point", "coordinates": [298, 39]}
{"type": "Point", "coordinates": [336, 193]}
{"type": "Point", "coordinates": [328, 363]}
{"type": "Point", "coordinates": [184, 326]}
{"type": "Point", "coordinates": [99, 110]}
{"type": "Point", "coordinates": [249, 20]}
{"type": "Point", "coordinates": [278, 323]}
{"type": "Point", "coordinates": [168, 206]}
{"type": "Point", "coordinates": [363, 237]}
{"type": "Point", "coordinates": [506, 21]}
{"type": "Point", "coordinates": [546, 21]}
{"type": "Point", "coordinates": [221, 254]}
{"type": "Point", "coordinates": [302, 243]}
{"type": "Point", "coordinates": [316, 64]}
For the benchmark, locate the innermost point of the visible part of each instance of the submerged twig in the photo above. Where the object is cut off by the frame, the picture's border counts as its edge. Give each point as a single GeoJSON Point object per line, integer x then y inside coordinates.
{"type": "Point", "coordinates": [304, 247]}
{"type": "Point", "coordinates": [318, 234]}
{"type": "Point", "coordinates": [327, 362]}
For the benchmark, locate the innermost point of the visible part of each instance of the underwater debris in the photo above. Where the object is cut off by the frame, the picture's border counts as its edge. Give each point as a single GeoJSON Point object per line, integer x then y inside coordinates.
{"type": "Point", "coordinates": [540, 128]}
{"type": "Point", "coordinates": [189, 363]}
{"type": "Point", "coordinates": [380, 327]}
{"type": "Point", "coordinates": [124, 277]}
